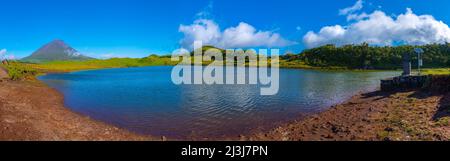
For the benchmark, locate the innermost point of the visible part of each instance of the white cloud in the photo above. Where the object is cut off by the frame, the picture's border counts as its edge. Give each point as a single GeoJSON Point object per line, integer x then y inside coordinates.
{"type": "Point", "coordinates": [4, 55]}
{"type": "Point", "coordinates": [380, 29]}
{"type": "Point", "coordinates": [202, 30]}
{"type": "Point", "coordinates": [11, 57]}
{"type": "Point", "coordinates": [207, 11]}
{"type": "Point", "coordinates": [3, 52]}
{"type": "Point", "coordinates": [242, 36]}
{"type": "Point", "coordinates": [356, 7]}
{"type": "Point", "coordinates": [357, 17]}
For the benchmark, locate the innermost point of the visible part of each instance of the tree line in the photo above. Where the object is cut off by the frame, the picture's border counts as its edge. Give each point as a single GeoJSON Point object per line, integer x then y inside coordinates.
{"type": "Point", "coordinates": [364, 56]}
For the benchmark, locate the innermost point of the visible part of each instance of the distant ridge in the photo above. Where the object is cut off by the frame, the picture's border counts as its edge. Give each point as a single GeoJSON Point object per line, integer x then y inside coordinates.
{"type": "Point", "coordinates": [54, 51]}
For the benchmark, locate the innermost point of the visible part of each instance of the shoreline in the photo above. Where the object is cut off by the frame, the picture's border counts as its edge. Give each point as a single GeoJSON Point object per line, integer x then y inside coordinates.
{"type": "Point", "coordinates": [414, 115]}
{"type": "Point", "coordinates": [32, 111]}
{"type": "Point", "coordinates": [253, 130]}
{"type": "Point", "coordinates": [26, 114]}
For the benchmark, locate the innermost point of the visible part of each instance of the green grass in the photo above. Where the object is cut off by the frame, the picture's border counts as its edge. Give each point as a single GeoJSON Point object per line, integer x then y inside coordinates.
{"type": "Point", "coordinates": [436, 71]}
{"type": "Point", "coordinates": [20, 71]}
{"type": "Point", "coordinates": [443, 121]}
{"type": "Point", "coordinates": [302, 65]}
{"type": "Point", "coordinates": [67, 66]}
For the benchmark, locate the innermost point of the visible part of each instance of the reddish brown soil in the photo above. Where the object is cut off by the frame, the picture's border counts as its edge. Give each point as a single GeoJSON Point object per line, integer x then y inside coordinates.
{"type": "Point", "coordinates": [403, 116]}
{"type": "Point", "coordinates": [33, 111]}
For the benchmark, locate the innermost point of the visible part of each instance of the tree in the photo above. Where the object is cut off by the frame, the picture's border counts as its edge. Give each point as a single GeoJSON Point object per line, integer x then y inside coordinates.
{"type": "Point", "coordinates": [364, 56]}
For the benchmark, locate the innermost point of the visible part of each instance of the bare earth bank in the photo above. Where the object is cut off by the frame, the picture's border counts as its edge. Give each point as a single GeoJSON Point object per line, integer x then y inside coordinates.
{"type": "Point", "coordinates": [33, 111]}
{"type": "Point", "coordinates": [397, 116]}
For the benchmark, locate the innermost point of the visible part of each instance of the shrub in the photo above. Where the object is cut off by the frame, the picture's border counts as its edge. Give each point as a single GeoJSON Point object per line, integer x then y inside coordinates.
{"type": "Point", "coordinates": [18, 71]}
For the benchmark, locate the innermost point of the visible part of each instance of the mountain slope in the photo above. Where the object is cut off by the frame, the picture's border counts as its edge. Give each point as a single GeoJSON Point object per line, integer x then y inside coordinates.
{"type": "Point", "coordinates": [55, 50]}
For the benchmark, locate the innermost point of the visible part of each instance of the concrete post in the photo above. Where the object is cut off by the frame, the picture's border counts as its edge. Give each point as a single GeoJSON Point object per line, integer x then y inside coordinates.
{"type": "Point", "coordinates": [406, 64]}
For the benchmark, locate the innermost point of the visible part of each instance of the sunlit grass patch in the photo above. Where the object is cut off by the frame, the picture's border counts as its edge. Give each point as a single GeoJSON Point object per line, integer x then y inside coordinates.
{"type": "Point", "coordinates": [67, 66]}
{"type": "Point", "coordinates": [436, 71]}
{"type": "Point", "coordinates": [19, 71]}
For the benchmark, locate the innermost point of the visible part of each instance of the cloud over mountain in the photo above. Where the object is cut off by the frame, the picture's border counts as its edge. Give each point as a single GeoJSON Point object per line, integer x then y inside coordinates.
{"type": "Point", "coordinates": [241, 36]}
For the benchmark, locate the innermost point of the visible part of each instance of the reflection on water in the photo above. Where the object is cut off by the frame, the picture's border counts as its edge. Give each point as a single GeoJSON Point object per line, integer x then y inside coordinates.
{"type": "Point", "coordinates": [146, 101]}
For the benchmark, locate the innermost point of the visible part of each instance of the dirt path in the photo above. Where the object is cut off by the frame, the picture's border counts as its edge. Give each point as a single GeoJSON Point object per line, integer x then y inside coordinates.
{"type": "Point", "coordinates": [32, 111]}
{"type": "Point", "coordinates": [415, 115]}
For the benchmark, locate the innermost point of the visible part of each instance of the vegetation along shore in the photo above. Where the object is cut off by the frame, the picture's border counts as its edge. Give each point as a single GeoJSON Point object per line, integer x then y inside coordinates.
{"type": "Point", "coordinates": [416, 114]}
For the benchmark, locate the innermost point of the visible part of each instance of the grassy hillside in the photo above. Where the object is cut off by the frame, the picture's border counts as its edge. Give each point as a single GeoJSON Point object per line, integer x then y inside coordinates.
{"type": "Point", "coordinates": [65, 66]}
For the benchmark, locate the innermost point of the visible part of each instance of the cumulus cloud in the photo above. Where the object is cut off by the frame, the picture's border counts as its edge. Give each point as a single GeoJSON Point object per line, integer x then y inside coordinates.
{"type": "Point", "coordinates": [356, 7]}
{"type": "Point", "coordinates": [3, 52]}
{"type": "Point", "coordinates": [241, 36]}
{"type": "Point", "coordinates": [357, 17]}
{"type": "Point", "coordinates": [379, 29]}
{"type": "Point", "coordinates": [3, 55]}
{"type": "Point", "coordinates": [202, 30]}
{"type": "Point", "coordinates": [207, 11]}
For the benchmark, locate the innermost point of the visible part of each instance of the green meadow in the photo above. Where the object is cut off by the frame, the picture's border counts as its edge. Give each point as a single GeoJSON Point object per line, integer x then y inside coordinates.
{"type": "Point", "coordinates": [68, 66]}
{"type": "Point", "coordinates": [22, 70]}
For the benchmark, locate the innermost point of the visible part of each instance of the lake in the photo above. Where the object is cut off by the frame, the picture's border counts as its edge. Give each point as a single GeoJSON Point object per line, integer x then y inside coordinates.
{"type": "Point", "coordinates": [144, 100]}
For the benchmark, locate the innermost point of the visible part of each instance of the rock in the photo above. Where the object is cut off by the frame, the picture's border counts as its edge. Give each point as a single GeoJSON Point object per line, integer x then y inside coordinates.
{"type": "Point", "coordinates": [335, 129]}
{"type": "Point", "coordinates": [329, 136]}
{"type": "Point", "coordinates": [9, 121]}
{"type": "Point", "coordinates": [388, 129]}
{"type": "Point", "coordinates": [365, 120]}
{"type": "Point", "coordinates": [163, 138]}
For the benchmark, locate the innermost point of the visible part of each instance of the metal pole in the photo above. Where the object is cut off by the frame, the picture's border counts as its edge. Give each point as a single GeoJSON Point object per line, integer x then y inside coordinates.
{"type": "Point", "coordinates": [419, 52]}
{"type": "Point", "coordinates": [418, 61]}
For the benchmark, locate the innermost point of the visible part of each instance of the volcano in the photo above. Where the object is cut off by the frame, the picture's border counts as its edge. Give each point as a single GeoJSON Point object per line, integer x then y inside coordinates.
{"type": "Point", "coordinates": [54, 51]}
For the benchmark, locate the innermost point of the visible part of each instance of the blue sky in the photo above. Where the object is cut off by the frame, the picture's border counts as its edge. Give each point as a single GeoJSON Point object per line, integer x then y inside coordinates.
{"type": "Point", "coordinates": [137, 28]}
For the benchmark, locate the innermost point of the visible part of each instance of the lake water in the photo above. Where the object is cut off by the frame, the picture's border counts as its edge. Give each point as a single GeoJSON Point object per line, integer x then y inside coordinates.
{"type": "Point", "coordinates": [145, 100]}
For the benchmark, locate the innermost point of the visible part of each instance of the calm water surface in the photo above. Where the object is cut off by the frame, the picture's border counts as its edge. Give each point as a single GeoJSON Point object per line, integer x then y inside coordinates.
{"type": "Point", "coordinates": [145, 100]}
